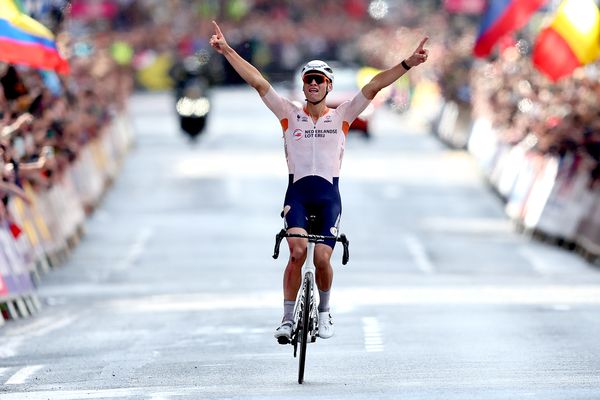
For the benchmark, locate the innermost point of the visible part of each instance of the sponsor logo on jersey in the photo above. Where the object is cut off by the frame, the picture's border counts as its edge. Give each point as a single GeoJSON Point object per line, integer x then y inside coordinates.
{"type": "Point", "coordinates": [297, 134]}
{"type": "Point", "coordinates": [319, 133]}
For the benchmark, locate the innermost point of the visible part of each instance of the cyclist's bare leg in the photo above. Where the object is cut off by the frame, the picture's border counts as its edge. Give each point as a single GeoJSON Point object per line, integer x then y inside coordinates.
{"type": "Point", "coordinates": [324, 273]}
{"type": "Point", "coordinates": [293, 271]}
{"type": "Point", "coordinates": [291, 283]}
{"type": "Point", "coordinates": [324, 278]}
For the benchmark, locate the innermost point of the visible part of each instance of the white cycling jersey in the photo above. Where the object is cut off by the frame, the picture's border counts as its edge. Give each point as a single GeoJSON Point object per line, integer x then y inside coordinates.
{"type": "Point", "coordinates": [314, 148]}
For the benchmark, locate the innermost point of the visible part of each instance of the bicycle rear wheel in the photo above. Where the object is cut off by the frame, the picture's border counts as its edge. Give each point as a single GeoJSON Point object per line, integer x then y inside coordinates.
{"type": "Point", "coordinates": [305, 327]}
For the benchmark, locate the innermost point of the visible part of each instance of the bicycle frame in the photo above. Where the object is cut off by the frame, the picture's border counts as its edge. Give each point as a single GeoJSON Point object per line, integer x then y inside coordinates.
{"type": "Point", "coordinates": [308, 271]}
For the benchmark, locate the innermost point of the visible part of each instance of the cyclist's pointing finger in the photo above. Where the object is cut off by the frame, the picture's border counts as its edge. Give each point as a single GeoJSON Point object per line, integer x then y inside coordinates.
{"type": "Point", "coordinates": [420, 48]}
{"type": "Point", "coordinates": [217, 30]}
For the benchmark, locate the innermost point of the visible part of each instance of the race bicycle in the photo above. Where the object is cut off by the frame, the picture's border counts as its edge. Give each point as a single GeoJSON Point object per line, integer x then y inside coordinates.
{"type": "Point", "coordinates": [306, 317]}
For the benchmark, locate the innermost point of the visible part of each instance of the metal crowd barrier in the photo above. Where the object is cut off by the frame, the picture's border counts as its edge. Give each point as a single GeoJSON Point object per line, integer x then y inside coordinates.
{"type": "Point", "coordinates": [549, 197]}
{"type": "Point", "coordinates": [46, 231]}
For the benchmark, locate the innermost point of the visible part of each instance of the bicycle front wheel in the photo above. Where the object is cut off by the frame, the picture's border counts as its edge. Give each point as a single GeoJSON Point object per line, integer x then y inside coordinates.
{"type": "Point", "coordinates": [305, 318]}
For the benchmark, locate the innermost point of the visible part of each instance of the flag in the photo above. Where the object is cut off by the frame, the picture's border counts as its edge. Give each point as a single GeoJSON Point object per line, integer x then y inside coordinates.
{"type": "Point", "coordinates": [23, 40]}
{"type": "Point", "coordinates": [571, 40]}
{"type": "Point", "coordinates": [501, 18]}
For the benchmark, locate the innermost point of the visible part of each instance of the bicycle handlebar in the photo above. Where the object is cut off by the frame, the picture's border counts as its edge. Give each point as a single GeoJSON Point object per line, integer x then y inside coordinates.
{"type": "Point", "coordinates": [315, 239]}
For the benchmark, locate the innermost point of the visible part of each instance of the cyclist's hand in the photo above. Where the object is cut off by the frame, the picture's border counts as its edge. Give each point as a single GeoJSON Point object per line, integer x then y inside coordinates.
{"type": "Point", "coordinates": [217, 41]}
{"type": "Point", "coordinates": [419, 56]}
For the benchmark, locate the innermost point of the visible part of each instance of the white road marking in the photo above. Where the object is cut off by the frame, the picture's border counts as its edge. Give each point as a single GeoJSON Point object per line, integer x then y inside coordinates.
{"type": "Point", "coordinates": [372, 334]}
{"type": "Point", "coordinates": [59, 323]}
{"type": "Point", "coordinates": [229, 330]}
{"type": "Point", "coordinates": [477, 226]}
{"type": "Point", "coordinates": [136, 249]}
{"type": "Point", "coordinates": [475, 295]}
{"type": "Point", "coordinates": [72, 394]}
{"type": "Point", "coordinates": [553, 261]}
{"type": "Point", "coordinates": [10, 346]}
{"type": "Point", "coordinates": [23, 374]}
{"type": "Point", "coordinates": [135, 393]}
{"type": "Point", "coordinates": [538, 264]}
{"type": "Point", "coordinates": [40, 326]}
{"type": "Point", "coordinates": [15, 337]}
{"type": "Point", "coordinates": [419, 254]}
{"type": "Point", "coordinates": [352, 297]}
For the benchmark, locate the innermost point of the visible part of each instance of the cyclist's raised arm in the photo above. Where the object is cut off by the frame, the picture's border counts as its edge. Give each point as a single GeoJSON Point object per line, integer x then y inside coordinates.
{"type": "Point", "coordinates": [389, 76]}
{"type": "Point", "coordinates": [246, 70]}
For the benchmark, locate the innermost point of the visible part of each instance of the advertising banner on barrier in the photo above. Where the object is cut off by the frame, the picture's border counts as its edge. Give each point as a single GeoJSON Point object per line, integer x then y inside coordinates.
{"type": "Point", "coordinates": [566, 205]}
{"type": "Point", "coordinates": [541, 189]}
{"type": "Point", "coordinates": [3, 288]}
{"type": "Point", "coordinates": [515, 162]}
{"type": "Point", "coordinates": [588, 231]}
{"type": "Point", "coordinates": [5, 274]}
{"type": "Point", "coordinates": [18, 278]}
{"type": "Point", "coordinates": [483, 144]}
{"type": "Point", "coordinates": [526, 194]}
{"type": "Point", "coordinates": [8, 280]}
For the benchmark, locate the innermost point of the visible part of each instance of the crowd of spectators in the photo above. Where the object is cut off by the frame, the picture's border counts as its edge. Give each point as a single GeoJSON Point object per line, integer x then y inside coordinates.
{"type": "Point", "coordinates": [278, 36]}
{"type": "Point", "coordinates": [526, 108]}
{"type": "Point", "coordinates": [46, 118]}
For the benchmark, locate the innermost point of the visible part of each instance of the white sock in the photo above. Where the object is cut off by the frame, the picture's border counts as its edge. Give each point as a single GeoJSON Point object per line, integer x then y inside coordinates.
{"type": "Point", "coordinates": [324, 300]}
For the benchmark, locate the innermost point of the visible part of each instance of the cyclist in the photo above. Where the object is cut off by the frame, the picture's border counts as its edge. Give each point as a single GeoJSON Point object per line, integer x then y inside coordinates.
{"type": "Point", "coordinates": [314, 138]}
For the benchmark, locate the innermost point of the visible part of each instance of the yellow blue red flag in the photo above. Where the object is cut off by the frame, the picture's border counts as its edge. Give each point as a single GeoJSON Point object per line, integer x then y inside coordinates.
{"type": "Point", "coordinates": [23, 40]}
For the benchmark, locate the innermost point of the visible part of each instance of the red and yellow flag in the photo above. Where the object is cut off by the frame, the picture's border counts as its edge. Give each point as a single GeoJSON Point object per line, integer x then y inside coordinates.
{"type": "Point", "coordinates": [571, 40]}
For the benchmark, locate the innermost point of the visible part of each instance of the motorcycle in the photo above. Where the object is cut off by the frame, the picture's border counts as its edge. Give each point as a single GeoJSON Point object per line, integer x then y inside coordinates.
{"type": "Point", "coordinates": [192, 106]}
{"type": "Point", "coordinates": [191, 89]}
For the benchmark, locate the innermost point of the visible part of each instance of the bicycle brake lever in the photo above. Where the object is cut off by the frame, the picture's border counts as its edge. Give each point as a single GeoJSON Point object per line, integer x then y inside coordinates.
{"type": "Point", "coordinates": [345, 243]}
{"type": "Point", "coordinates": [278, 238]}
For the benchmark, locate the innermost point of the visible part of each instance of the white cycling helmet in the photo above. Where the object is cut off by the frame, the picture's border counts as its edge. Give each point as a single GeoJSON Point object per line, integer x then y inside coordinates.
{"type": "Point", "coordinates": [320, 67]}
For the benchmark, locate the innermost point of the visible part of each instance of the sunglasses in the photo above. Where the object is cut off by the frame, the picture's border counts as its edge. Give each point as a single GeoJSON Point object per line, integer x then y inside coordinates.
{"type": "Point", "coordinates": [318, 78]}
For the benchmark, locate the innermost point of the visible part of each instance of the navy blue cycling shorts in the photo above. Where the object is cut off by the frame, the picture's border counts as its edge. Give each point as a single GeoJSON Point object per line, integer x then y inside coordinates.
{"type": "Point", "coordinates": [317, 196]}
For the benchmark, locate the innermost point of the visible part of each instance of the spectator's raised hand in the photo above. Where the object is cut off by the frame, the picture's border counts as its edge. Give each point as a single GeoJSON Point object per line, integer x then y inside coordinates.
{"type": "Point", "coordinates": [217, 41]}
{"type": "Point", "coordinates": [419, 56]}
{"type": "Point", "coordinates": [24, 119]}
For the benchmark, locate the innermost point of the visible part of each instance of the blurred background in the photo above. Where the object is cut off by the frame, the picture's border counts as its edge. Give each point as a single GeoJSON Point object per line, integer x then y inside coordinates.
{"type": "Point", "coordinates": [491, 85]}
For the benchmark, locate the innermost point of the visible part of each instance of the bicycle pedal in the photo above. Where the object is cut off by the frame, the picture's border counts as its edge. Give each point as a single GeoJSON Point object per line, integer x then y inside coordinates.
{"type": "Point", "coordinates": [283, 340]}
